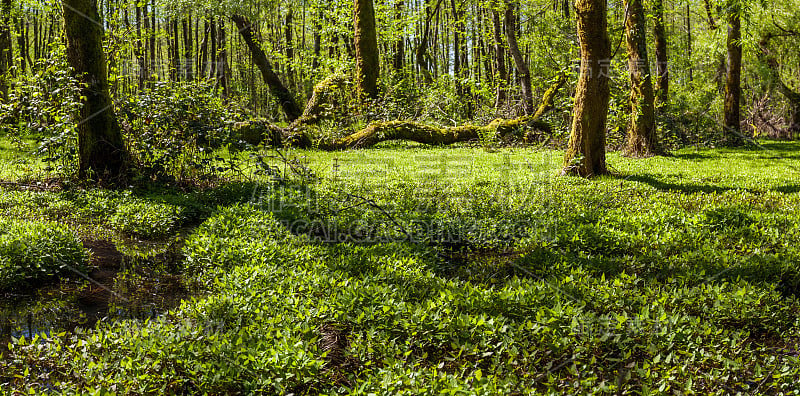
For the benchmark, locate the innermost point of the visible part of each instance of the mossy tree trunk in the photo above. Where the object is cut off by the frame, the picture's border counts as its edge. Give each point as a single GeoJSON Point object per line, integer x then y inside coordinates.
{"type": "Point", "coordinates": [5, 47]}
{"type": "Point", "coordinates": [642, 139]}
{"type": "Point", "coordinates": [586, 151]}
{"type": "Point", "coordinates": [366, 43]}
{"type": "Point", "coordinates": [519, 60]}
{"type": "Point", "coordinates": [102, 153]}
{"type": "Point", "coordinates": [285, 98]}
{"type": "Point", "coordinates": [793, 96]}
{"type": "Point", "coordinates": [733, 77]}
{"type": "Point", "coordinates": [662, 60]}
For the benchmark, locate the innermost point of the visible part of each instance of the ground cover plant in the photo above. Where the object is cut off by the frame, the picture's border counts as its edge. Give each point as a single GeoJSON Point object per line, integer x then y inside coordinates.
{"type": "Point", "coordinates": [411, 270]}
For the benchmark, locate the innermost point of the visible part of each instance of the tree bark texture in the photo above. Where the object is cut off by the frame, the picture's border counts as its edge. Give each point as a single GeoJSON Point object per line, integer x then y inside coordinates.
{"type": "Point", "coordinates": [586, 151]}
{"type": "Point", "coordinates": [733, 88]}
{"type": "Point", "coordinates": [662, 59]}
{"type": "Point", "coordinates": [366, 43]}
{"type": "Point", "coordinates": [102, 152]}
{"type": "Point", "coordinates": [641, 141]}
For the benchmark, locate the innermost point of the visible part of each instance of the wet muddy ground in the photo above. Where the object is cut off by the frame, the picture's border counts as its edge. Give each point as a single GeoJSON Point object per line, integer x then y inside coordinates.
{"type": "Point", "coordinates": [128, 280]}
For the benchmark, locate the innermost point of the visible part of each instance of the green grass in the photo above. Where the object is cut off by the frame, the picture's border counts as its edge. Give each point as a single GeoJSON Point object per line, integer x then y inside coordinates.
{"type": "Point", "coordinates": [412, 270]}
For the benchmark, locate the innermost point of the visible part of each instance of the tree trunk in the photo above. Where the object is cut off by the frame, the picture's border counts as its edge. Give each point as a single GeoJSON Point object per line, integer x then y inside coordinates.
{"type": "Point", "coordinates": [586, 151]}
{"type": "Point", "coordinates": [689, 41]}
{"type": "Point", "coordinates": [223, 69]}
{"type": "Point", "coordinates": [289, 46]}
{"type": "Point", "coordinates": [276, 88]}
{"type": "Point", "coordinates": [662, 62]}
{"type": "Point", "coordinates": [22, 44]}
{"type": "Point", "coordinates": [5, 48]}
{"type": "Point", "coordinates": [642, 126]}
{"type": "Point", "coordinates": [422, 50]}
{"type": "Point", "coordinates": [733, 89]}
{"type": "Point", "coordinates": [101, 149]}
{"type": "Point", "coordinates": [500, 60]}
{"type": "Point", "coordinates": [366, 43]}
{"type": "Point", "coordinates": [519, 61]}
{"type": "Point", "coordinates": [398, 61]}
{"type": "Point", "coordinates": [187, 63]}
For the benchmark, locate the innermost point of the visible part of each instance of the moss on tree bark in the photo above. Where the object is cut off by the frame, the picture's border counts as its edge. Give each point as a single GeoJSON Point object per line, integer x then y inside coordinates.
{"type": "Point", "coordinates": [586, 150]}
{"type": "Point", "coordinates": [366, 42]}
{"type": "Point", "coordinates": [102, 153]}
{"type": "Point", "coordinates": [642, 139]}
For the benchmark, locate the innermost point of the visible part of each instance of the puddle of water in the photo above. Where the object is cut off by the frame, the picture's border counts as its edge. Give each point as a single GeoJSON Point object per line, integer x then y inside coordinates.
{"type": "Point", "coordinates": [138, 284]}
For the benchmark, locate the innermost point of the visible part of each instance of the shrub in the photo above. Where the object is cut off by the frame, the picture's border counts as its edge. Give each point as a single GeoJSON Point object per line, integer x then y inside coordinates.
{"type": "Point", "coordinates": [31, 251]}
{"type": "Point", "coordinates": [146, 219]}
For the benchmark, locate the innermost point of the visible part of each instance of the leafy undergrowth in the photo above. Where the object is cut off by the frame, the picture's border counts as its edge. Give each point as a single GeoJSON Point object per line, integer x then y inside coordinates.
{"type": "Point", "coordinates": [454, 271]}
{"type": "Point", "coordinates": [31, 251]}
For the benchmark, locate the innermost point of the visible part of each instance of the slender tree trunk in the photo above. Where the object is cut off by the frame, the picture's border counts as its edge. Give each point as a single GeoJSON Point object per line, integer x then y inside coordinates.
{"type": "Point", "coordinates": [424, 42]}
{"type": "Point", "coordinates": [642, 127]}
{"type": "Point", "coordinates": [366, 43]}
{"type": "Point", "coordinates": [202, 70]}
{"type": "Point", "coordinates": [22, 44]}
{"type": "Point", "coordinates": [5, 48]}
{"type": "Point", "coordinates": [287, 102]}
{"type": "Point", "coordinates": [188, 53]}
{"type": "Point", "coordinates": [398, 61]}
{"type": "Point", "coordinates": [289, 21]}
{"type": "Point", "coordinates": [662, 61]}
{"type": "Point", "coordinates": [140, 48]}
{"type": "Point", "coordinates": [689, 41]}
{"type": "Point", "coordinates": [522, 68]}
{"type": "Point", "coordinates": [317, 37]}
{"type": "Point", "coordinates": [733, 89]}
{"type": "Point", "coordinates": [100, 146]}
{"type": "Point", "coordinates": [586, 151]}
{"type": "Point", "coordinates": [222, 65]}
{"type": "Point", "coordinates": [500, 61]}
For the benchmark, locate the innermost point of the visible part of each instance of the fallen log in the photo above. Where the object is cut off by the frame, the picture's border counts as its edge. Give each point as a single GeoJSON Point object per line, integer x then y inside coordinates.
{"type": "Point", "coordinates": [299, 133]}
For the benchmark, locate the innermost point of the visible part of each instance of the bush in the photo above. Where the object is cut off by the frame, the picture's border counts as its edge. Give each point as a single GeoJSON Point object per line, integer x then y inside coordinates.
{"type": "Point", "coordinates": [31, 251]}
{"type": "Point", "coordinates": [146, 219]}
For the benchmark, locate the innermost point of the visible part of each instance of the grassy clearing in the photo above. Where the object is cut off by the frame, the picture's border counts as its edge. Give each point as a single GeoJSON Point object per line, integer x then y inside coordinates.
{"type": "Point", "coordinates": [411, 270]}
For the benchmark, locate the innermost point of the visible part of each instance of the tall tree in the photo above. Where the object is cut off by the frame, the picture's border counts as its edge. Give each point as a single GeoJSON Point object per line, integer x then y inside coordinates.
{"type": "Point", "coordinates": [276, 87]}
{"type": "Point", "coordinates": [101, 149]}
{"type": "Point", "coordinates": [586, 151]}
{"type": "Point", "coordinates": [523, 72]}
{"type": "Point", "coordinates": [5, 47]}
{"type": "Point", "coordinates": [641, 140]}
{"type": "Point", "coordinates": [733, 77]}
{"type": "Point", "coordinates": [366, 43]}
{"type": "Point", "coordinates": [500, 60]}
{"type": "Point", "coordinates": [662, 60]}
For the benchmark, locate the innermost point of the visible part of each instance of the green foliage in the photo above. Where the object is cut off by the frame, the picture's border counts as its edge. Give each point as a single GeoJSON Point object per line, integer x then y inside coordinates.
{"type": "Point", "coordinates": [146, 220]}
{"type": "Point", "coordinates": [45, 105]}
{"type": "Point", "coordinates": [172, 129]}
{"type": "Point", "coordinates": [32, 251]}
{"type": "Point", "coordinates": [678, 277]}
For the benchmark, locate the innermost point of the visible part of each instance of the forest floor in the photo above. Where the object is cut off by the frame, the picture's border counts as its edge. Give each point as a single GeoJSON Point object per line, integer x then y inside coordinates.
{"type": "Point", "coordinates": [409, 270]}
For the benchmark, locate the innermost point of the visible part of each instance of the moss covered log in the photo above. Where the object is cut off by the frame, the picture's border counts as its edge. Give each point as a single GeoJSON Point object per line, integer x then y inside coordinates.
{"type": "Point", "coordinates": [377, 132]}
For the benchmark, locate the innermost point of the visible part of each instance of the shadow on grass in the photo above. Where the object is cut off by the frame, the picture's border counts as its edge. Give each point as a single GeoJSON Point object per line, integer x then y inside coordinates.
{"type": "Point", "coordinates": [687, 188]}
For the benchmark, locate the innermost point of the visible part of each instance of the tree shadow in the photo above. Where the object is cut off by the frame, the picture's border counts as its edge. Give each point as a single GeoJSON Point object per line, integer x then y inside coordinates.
{"type": "Point", "coordinates": [687, 188]}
